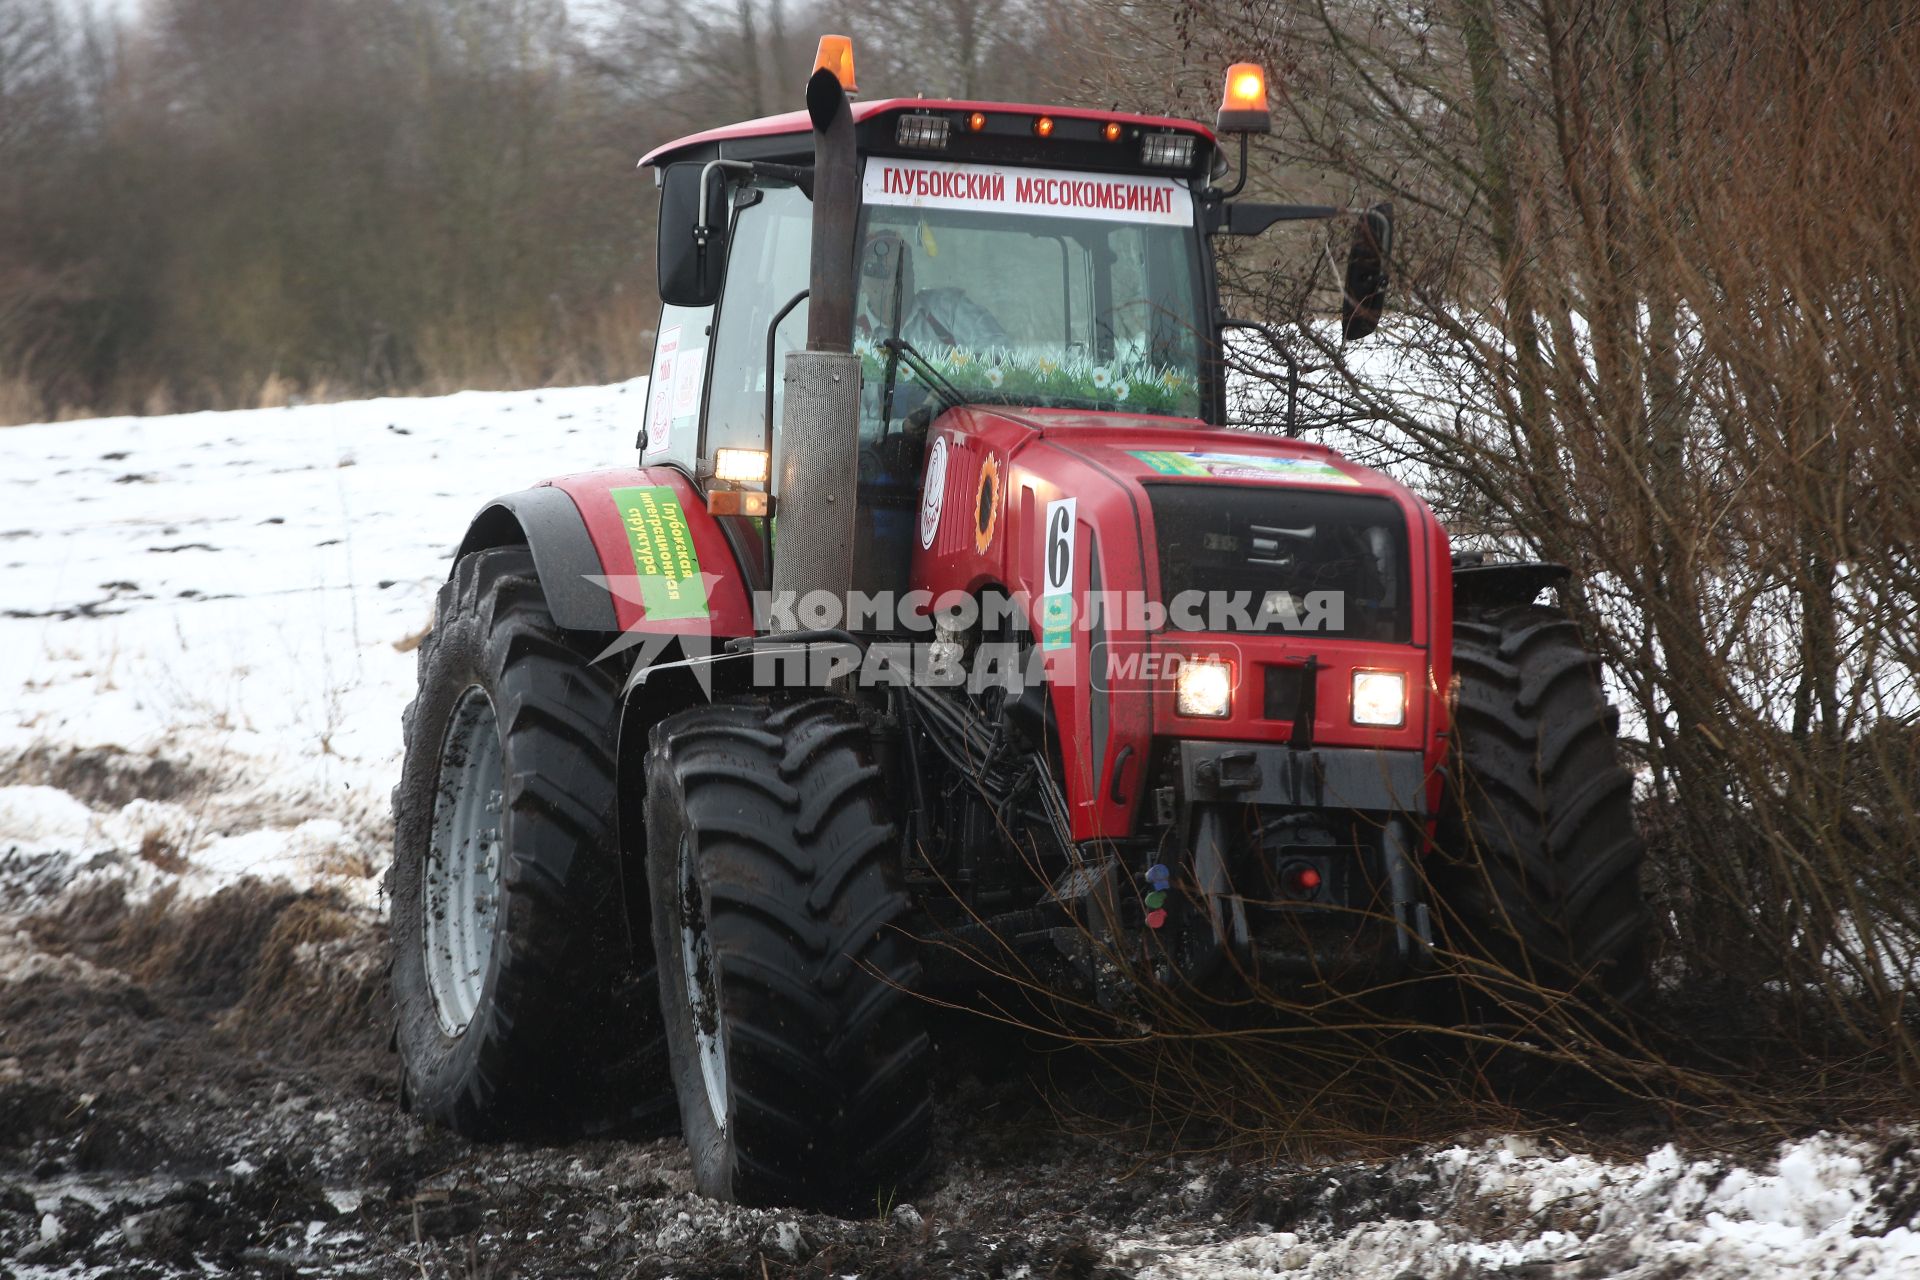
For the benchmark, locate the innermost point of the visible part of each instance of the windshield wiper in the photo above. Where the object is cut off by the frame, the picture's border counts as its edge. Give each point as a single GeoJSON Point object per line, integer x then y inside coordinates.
{"type": "Point", "coordinates": [935, 380]}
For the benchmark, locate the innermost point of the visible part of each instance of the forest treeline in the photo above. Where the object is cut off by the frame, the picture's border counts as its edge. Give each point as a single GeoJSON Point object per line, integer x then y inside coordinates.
{"type": "Point", "coordinates": [221, 203]}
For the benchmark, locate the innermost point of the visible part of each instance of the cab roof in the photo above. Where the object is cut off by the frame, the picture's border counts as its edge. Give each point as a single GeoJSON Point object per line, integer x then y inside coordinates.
{"type": "Point", "coordinates": [798, 122]}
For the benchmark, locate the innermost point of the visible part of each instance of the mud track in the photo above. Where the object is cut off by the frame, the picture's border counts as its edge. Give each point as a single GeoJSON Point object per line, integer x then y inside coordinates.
{"type": "Point", "coordinates": [193, 1084]}
{"type": "Point", "coordinates": [204, 1085]}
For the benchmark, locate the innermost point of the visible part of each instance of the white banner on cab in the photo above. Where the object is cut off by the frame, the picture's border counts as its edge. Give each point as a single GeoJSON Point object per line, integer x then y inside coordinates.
{"type": "Point", "coordinates": [939, 184]}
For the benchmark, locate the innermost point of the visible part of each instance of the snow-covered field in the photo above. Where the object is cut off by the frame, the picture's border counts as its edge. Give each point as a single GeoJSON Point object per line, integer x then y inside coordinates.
{"type": "Point", "coordinates": [239, 595]}
{"type": "Point", "coordinates": [1511, 1206]}
{"type": "Point", "coordinates": [223, 607]}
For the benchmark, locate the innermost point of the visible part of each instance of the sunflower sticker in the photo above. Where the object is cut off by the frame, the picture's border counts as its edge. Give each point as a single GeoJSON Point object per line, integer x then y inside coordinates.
{"type": "Point", "coordinates": [986, 502]}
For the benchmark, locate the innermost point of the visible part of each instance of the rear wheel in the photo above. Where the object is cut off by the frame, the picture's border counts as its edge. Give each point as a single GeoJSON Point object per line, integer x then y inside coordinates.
{"type": "Point", "coordinates": [786, 985]}
{"type": "Point", "coordinates": [1539, 874]}
{"type": "Point", "coordinates": [520, 1007]}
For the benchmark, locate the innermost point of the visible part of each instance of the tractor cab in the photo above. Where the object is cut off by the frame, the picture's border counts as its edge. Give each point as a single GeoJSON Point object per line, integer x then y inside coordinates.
{"type": "Point", "coordinates": [1018, 257]}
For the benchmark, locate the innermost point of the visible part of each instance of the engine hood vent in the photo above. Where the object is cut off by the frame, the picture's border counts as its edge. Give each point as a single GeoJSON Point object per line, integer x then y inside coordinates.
{"type": "Point", "coordinates": [1301, 561]}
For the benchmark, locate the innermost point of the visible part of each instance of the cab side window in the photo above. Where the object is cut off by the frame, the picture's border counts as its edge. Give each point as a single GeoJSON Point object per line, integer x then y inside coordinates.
{"type": "Point", "coordinates": [766, 266]}
{"type": "Point", "coordinates": [672, 416]}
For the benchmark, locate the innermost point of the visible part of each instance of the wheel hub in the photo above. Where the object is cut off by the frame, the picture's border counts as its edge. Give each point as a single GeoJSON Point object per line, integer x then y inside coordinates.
{"type": "Point", "coordinates": [696, 955]}
{"type": "Point", "coordinates": [461, 887]}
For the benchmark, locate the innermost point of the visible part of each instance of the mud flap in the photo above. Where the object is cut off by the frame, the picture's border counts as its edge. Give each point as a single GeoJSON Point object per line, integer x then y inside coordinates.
{"type": "Point", "coordinates": [1412, 920]}
{"type": "Point", "coordinates": [1096, 949]}
{"type": "Point", "coordinates": [1199, 951]}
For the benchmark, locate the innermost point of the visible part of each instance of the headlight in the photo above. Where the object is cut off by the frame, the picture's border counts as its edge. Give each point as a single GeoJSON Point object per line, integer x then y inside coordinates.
{"type": "Point", "coordinates": [1204, 687]}
{"type": "Point", "coordinates": [740, 466]}
{"type": "Point", "coordinates": [1380, 699]}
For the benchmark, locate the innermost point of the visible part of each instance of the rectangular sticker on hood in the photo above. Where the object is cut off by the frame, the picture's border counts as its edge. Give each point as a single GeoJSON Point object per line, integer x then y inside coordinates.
{"type": "Point", "coordinates": [1060, 193]}
{"type": "Point", "coordinates": [663, 553]}
{"type": "Point", "coordinates": [1245, 466]}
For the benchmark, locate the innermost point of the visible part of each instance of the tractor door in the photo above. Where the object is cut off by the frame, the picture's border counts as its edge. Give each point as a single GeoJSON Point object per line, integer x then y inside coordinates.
{"type": "Point", "coordinates": [767, 259]}
{"type": "Point", "coordinates": [713, 377]}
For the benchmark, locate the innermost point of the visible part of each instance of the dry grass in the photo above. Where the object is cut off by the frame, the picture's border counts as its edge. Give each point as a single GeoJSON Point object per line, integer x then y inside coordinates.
{"type": "Point", "coordinates": [1308, 1069]}
{"type": "Point", "coordinates": [280, 969]}
{"type": "Point", "coordinates": [319, 979]}
{"type": "Point", "coordinates": [19, 401]}
{"type": "Point", "coordinates": [161, 853]}
{"type": "Point", "coordinates": [108, 777]}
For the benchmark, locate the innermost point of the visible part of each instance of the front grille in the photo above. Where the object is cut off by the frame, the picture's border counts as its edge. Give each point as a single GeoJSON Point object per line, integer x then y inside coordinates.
{"type": "Point", "coordinates": [1301, 560]}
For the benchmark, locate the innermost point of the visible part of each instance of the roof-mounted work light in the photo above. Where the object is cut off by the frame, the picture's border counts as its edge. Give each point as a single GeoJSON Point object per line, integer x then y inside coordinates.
{"type": "Point", "coordinates": [1166, 150]}
{"type": "Point", "coordinates": [923, 132]}
{"type": "Point", "coordinates": [1243, 108]}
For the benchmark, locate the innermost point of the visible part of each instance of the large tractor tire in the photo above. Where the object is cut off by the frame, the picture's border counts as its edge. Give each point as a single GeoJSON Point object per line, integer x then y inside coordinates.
{"type": "Point", "coordinates": [786, 982]}
{"type": "Point", "coordinates": [521, 1008]}
{"type": "Point", "coordinates": [1539, 869]}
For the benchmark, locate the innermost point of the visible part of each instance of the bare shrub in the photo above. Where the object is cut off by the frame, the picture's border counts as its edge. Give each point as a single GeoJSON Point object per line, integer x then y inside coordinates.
{"type": "Point", "coordinates": [1658, 265]}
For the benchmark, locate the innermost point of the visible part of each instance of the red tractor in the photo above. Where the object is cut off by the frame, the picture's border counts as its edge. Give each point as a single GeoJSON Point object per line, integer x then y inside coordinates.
{"type": "Point", "coordinates": [942, 605]}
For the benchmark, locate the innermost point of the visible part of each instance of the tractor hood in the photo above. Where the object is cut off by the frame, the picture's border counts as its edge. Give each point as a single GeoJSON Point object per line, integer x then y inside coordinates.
{"type": "Point", "coordinates": [1080, 512]}
{"type": "Point", "coordinates": [1171, 505]}
{"type": "Point", "coordinates": [1145, 448]}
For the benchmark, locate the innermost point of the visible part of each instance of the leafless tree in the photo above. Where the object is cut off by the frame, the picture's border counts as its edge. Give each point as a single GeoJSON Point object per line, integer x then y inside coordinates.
{"type": "Point", "coordinates": [1656, 258]}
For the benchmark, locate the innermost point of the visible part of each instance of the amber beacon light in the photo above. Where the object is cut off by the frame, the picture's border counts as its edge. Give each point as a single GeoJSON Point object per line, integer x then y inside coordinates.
{"type": "Point", "coordinates": [1243, 108]}
{"type": "Point", "coordinates": [836, 55]}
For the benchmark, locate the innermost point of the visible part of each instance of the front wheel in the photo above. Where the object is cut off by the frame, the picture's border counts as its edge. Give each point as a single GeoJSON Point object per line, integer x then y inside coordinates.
{"type": "Point", "coordinates": [1539, 875]}
{"type": "Point", "coordinates": [786, 983]}
{"type": "Point", "coordinates": [519, 1007]}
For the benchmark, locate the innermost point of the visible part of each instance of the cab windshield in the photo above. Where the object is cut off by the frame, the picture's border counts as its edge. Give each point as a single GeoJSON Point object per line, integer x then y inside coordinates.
{"type": "Point", "coordinates": [1020, 308]}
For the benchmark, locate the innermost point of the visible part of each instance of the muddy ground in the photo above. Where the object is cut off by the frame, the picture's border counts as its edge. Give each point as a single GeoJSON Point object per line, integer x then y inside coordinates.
{"type": "Point", "coordinates": [185, 1084]}
{"type": "Point", "coordinates": [205, 1085]}
{"type": "Point", "coordinates": [209, 1083]}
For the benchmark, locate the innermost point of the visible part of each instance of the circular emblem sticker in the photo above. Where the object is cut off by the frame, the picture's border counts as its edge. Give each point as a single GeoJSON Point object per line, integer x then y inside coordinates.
{"type": "Point", "coordinates": [934, 495]}
{"type": "Point", "coordinates": [987, 504]}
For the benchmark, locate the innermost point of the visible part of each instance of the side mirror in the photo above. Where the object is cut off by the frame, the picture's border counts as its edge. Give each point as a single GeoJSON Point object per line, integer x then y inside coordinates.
{"type": "Point", "coordinates": [691, 260]}
{"type": "Point", "coordinates": [1365, 295]}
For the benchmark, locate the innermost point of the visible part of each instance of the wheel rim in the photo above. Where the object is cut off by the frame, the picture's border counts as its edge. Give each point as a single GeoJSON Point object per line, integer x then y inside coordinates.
{"type": "Point", "coordinates": [703, 1002]}
{"type": "Point", "coordinates": [462, 882]}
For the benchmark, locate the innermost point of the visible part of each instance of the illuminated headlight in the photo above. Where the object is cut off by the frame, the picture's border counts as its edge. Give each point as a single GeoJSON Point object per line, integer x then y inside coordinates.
{"type": "Point", "coordinates": [740, 466]}
{"type": "Point", "coordinates": [926, 133]}
{"type": "Point", "coordinates": [1167, 150]}
{"type": "Point", "coordinates": [1380, 699]}
{"type": "Point", "coordinates": [1204, 687]}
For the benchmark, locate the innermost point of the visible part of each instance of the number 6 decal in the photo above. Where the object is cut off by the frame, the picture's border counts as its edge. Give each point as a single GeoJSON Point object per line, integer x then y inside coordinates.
{"type": "Point", "coordinates": [1056, 602]}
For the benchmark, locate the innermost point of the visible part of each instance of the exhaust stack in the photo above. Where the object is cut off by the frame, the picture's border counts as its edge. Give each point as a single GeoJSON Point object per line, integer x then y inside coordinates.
{"type": "Point", "coordinates": [819, 462]}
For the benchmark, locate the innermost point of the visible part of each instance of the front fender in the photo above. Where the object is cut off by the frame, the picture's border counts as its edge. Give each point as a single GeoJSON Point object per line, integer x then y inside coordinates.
{"type": "Point", "coordinates": [626, 549]}
{"type": "Point", "coordinates": [549, 524]}
{"type": "Point", "coordinates": [1479, 585]}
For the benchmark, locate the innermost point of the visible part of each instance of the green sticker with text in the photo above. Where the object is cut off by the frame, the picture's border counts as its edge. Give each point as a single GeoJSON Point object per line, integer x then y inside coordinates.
{"type": "Point", "coordinates": [663, 554]}
{"type": "Point", "coordinates": [1056, 621]}
{"type": "Point", "coordinates": [1168, 463]}
{"type": "Point", "coordinates": [1245, 466]}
